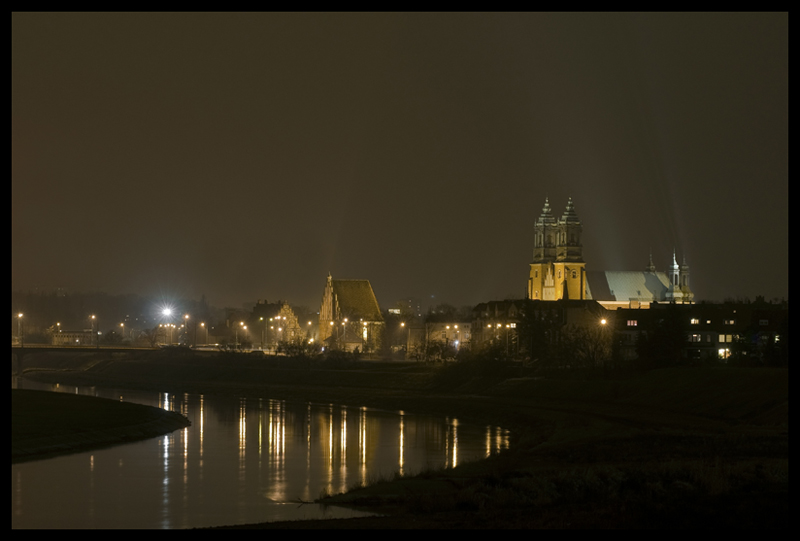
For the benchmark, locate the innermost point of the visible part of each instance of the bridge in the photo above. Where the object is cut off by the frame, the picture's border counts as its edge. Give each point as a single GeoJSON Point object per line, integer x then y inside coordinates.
{"type": "Point", "coordinates": [18, 352]}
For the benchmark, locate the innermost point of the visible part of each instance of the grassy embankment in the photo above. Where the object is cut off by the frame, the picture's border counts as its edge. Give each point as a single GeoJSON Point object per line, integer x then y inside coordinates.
{"type": "Point", "coordinates": [694, 447]}
{"type": "Point", "coordinates": [49, 424]}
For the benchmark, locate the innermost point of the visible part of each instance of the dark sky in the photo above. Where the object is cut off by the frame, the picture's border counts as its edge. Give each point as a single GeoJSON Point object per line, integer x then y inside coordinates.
{"type": "Point", "coordinates": [245, 156]}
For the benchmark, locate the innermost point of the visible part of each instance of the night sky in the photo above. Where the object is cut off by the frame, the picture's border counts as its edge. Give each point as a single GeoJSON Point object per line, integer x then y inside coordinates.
{"type": "Point", "coordinates": [245, 156]}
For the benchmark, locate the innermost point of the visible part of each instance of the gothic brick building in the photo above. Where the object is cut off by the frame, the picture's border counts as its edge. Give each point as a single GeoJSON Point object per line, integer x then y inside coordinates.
{"type": "Point", "coordinates": [350, 317]}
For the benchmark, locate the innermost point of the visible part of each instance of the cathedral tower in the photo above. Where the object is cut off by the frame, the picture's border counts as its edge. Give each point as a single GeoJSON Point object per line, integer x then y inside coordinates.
{"type": "Point", "coordinates": [558, 270]}
{"type": "Point", "coordinates": [679, 290]}
{"type": "Point", "coordinates": [545, 233]}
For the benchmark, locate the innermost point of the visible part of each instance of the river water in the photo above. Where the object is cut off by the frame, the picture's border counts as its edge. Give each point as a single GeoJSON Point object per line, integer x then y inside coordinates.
{"type": "Point", "coordinates": [242, 461]}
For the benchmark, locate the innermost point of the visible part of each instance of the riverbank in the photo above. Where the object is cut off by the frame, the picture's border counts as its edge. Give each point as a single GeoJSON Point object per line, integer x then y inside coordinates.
{"type": "Point", "coordinates": [694, 447]}
{"type": "Point", "coordinates": [47, 424]}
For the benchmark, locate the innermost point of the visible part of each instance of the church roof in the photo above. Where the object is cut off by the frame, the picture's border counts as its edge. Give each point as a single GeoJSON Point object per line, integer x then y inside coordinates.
{"type": "Point", "coordinates": [626, 286]}
{"type": "Point", "coordinates": [356, 300]}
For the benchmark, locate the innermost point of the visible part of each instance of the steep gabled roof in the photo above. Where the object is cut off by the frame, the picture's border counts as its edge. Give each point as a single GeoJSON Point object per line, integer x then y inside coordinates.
{"type": "Point", "coordinates": [356, 300]}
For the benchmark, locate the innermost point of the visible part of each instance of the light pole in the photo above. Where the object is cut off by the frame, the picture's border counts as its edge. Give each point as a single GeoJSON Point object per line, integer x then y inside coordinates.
{"type": "Point", "coordinates": [94, 334]}
{"type": "Point", "coordinates": [408, 337]}
{"type": "Point", "coordinates": [19, 330]}
{"type": "Point", "coordinates": [244, 329]}
{"type": "Point", "coordinates": [263, 332]}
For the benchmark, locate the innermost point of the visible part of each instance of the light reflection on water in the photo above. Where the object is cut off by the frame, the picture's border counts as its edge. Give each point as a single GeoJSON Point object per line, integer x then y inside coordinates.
{"type": "Point", "coordinates": [242, 461]}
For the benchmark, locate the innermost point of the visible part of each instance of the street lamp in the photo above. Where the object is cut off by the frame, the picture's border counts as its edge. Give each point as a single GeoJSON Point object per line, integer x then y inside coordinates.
{"type": "Point", "coordinates": [19, 330]}
{"type": "Point", "coordinates": [263, 332]}
{"type": "Point", "coordinates": [236, 334]}
{"type": "Point", "coordinates": [94, 334]}
{"type": "Point", "coordinates": [402, 325]}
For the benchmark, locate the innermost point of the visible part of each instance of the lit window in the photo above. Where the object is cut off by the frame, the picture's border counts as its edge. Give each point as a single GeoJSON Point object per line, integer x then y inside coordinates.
{"type": "Point", "coordinates": [695, 321]}
{"type": "Point", "coordinates": [632, 323]}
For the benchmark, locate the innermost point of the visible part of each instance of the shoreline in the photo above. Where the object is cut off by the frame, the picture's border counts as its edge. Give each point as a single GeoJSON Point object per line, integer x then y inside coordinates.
{"type": "Point", "coordinates": [45, 426]}
{"type": "Point", "coordinates": [711, 432]}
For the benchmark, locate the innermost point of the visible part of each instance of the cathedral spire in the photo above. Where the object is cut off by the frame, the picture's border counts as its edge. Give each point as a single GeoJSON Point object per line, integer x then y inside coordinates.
{"type": "Point", "coordinates": [674, 271]}
{"type": "Point", "coordinates": [569, 215]}
{"type": "Point", "coordinates": [547, 214]}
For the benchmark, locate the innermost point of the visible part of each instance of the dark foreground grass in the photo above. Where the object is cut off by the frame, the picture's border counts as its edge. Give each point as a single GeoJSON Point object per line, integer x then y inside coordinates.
{"type": "Point", "coordinates": [510, 492]}
{"type": "Point", "coordinates": [677, 448]}
{"type": "Point", "coordinates": [45, 424]}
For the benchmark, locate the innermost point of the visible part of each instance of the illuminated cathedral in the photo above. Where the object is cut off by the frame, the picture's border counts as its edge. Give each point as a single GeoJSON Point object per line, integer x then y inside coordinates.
{"type": "Point", "coordinates": [558, 270]}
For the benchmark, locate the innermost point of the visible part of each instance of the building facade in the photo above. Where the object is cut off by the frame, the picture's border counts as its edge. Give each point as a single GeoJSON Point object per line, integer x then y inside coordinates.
{"type": "Point", "coordinates": [349, 316]}
{"type": "Point", "coordinates": [558, 269]}
{"type": "Point", "coordinates": [709, 331]}
{"type": "Point", "coordinates": [274, 323]}
{"type": "Point", "coordinates": [638, 289]}
{"type": "Point", "coordinates": [73, 338]}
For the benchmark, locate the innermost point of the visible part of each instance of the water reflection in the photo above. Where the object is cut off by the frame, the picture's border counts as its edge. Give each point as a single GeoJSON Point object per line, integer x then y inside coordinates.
{"type": "Point", "coordinates": [241, 460]}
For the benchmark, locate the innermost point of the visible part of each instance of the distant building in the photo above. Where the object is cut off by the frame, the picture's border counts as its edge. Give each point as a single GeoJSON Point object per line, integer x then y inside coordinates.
{"type": "Point", "coordinates": [501, 321]}
{"type": "Point", "coordinates": [349, 316]}
{"type": "Point", "coordinates": [449, 337]}
{"type": "Point", "coordinates": [710, 331]}
{"type": "Point", "coordinates": [272, 323]}
{"type": "Point", "coordinates": [637, 289]}
{"type": "Point", "coordinates": [558, 270]}
{"type": "Point", "coordinates": [73, 338]}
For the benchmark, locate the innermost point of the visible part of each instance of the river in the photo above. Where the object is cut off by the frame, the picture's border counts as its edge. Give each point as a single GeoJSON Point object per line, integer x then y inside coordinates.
{"type": "Point", "coordinates": [241, 461]}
